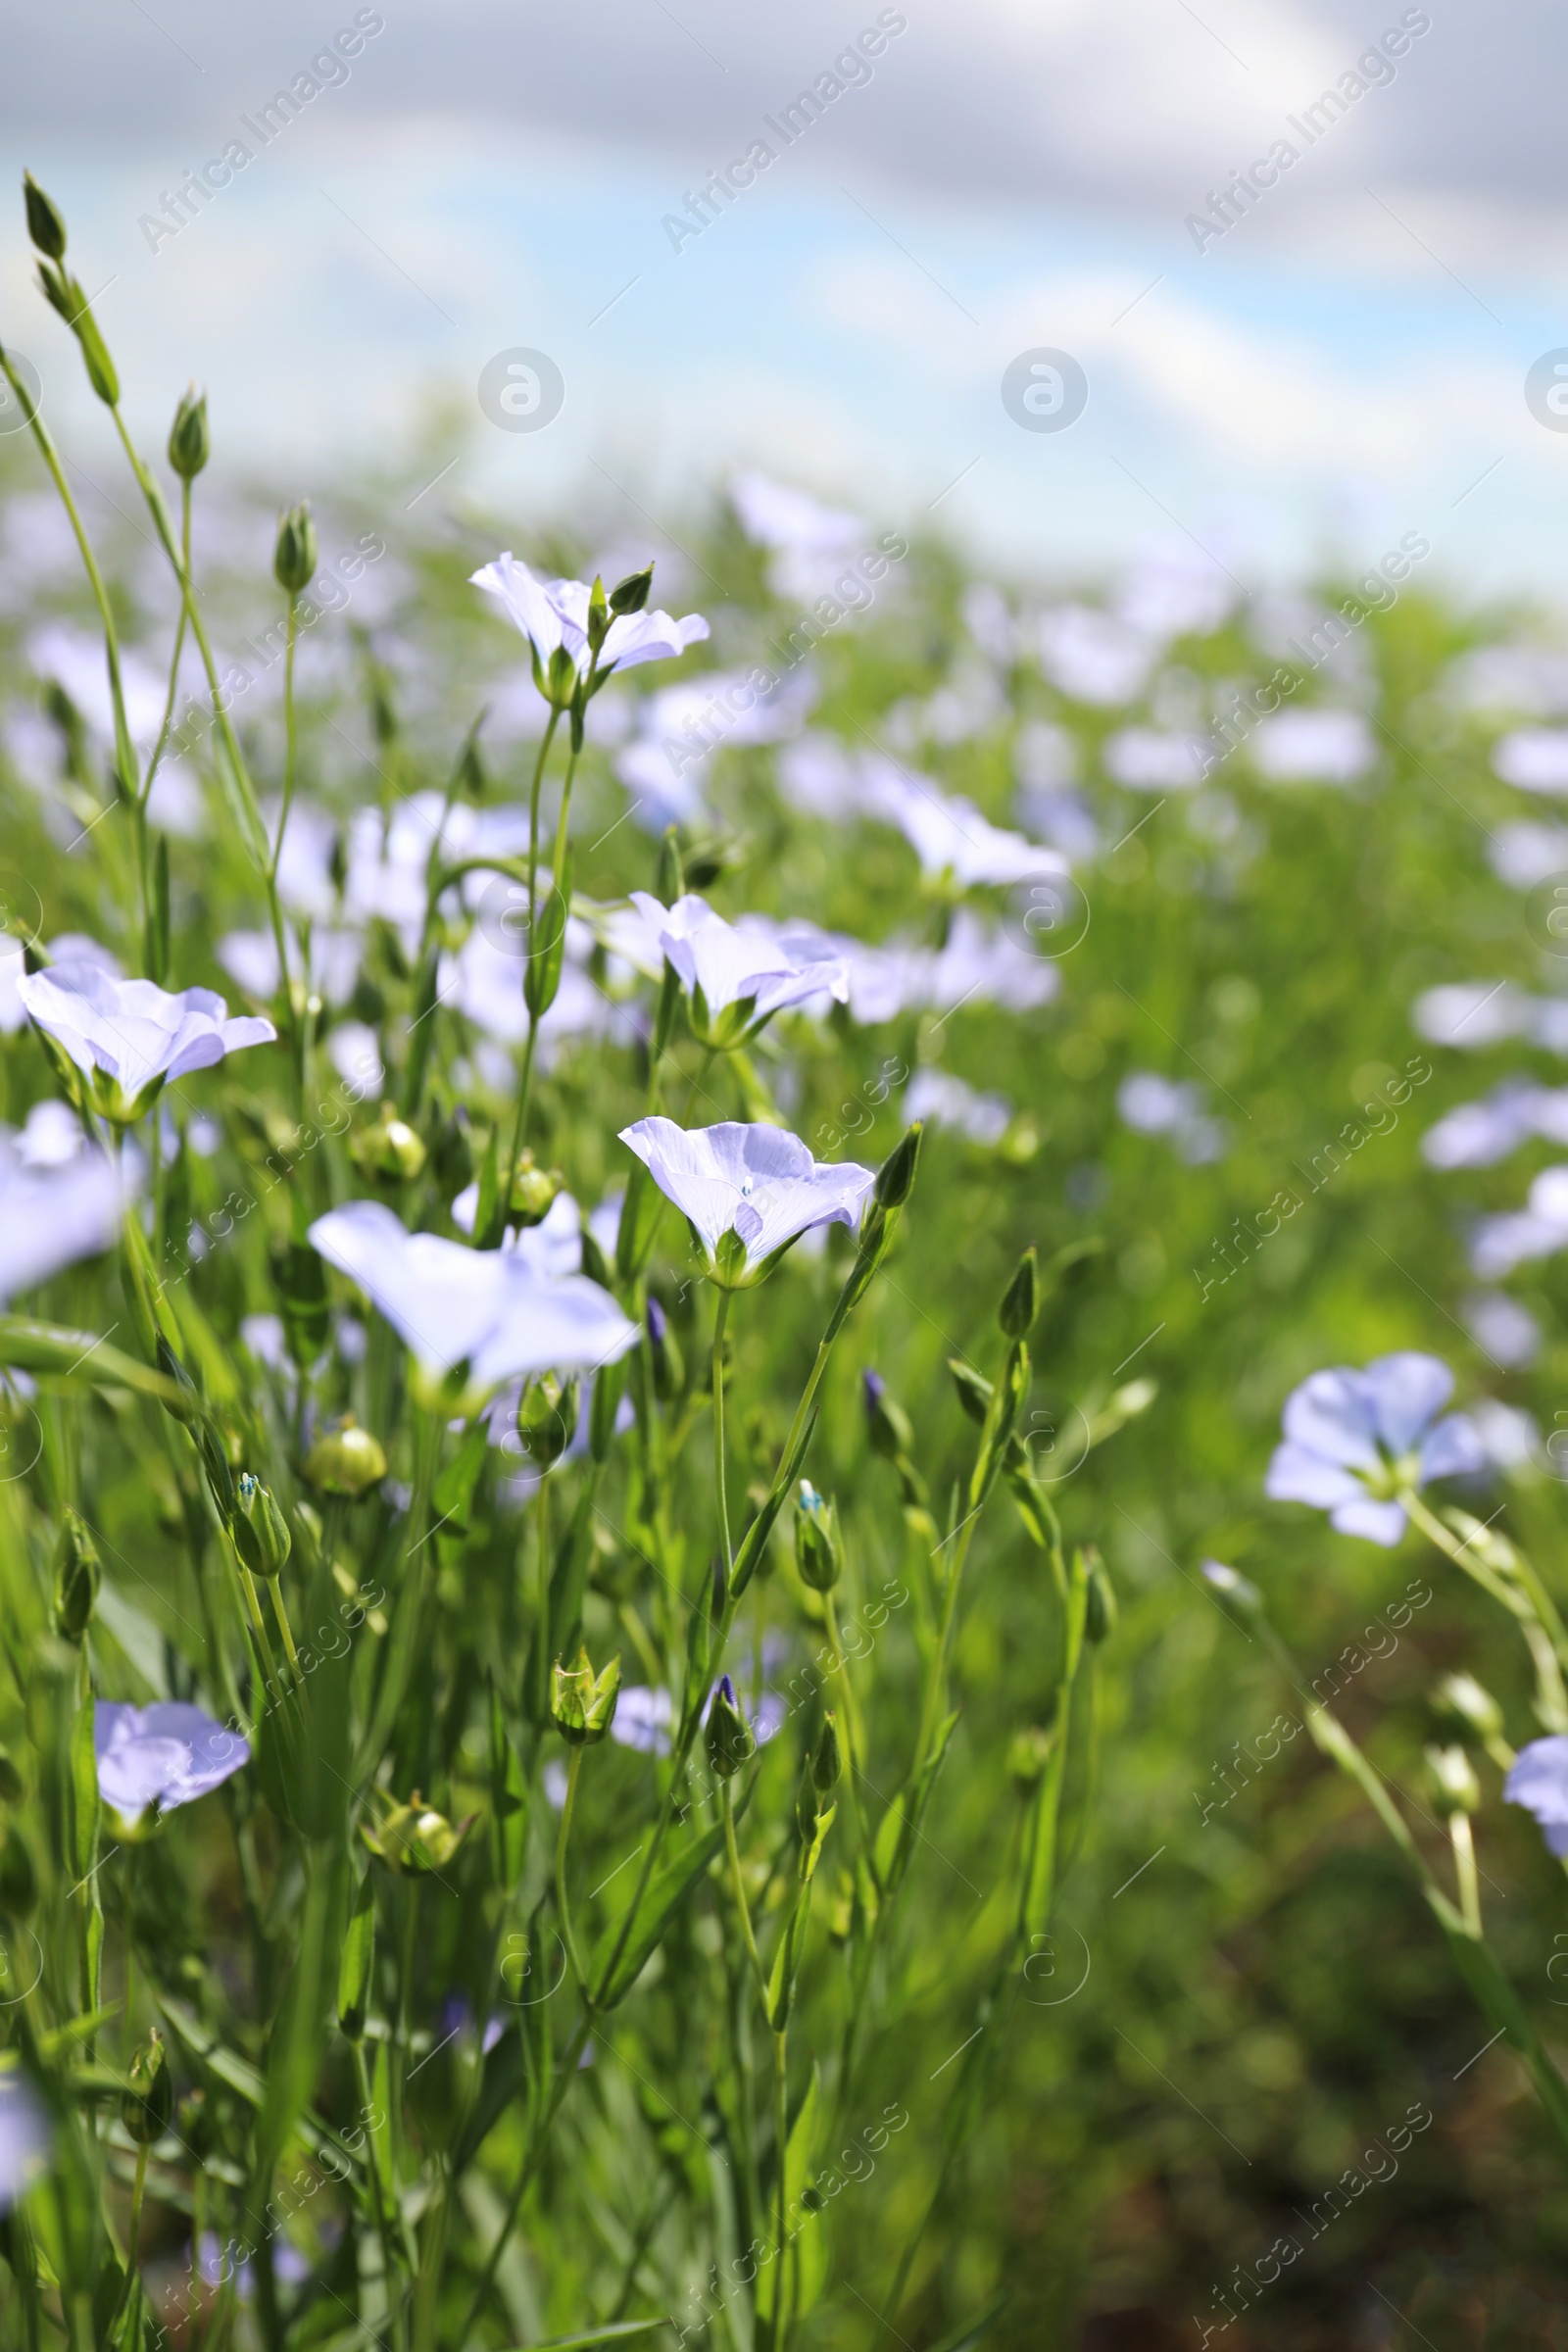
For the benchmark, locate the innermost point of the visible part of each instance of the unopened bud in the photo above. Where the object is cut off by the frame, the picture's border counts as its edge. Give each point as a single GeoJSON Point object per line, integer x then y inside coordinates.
{"type": "Point", "coordinates": [729, 1736]}
{"type": "Point", "coordinates": [294, 558]}
{"type": "Point", "coordinates": [1099, 1600]}
{"type": "Point", "coordinates": [260, 1532]}
{"type": "Point", "coordinates": [45, 227]}
{"type": "Point", "coordinates": [817, 1555]}
{"type": "Point", "coordinates": [532, 1190]}
{"type": "Point", "coordinates": [147, 2103]}
{"type": "Point", "coordinates": [1028, 1753]}
{"type": "Point", "coordinates": [1235, 1593]}
{"type": "Point", "coordinates": [546, 1419]}
{"type": "Point", "coordinates": [1468, 1706]}
{"type": "Point", "coordinates": [189, 446]}
{"type": "Point", "coordinates": [346, 1460]}
{"type": "Point", "coordinates": [78, 1576]}
{"type": "Point", "coordinates": [582, 1705]}
{"type": "Point", "coordinates": [1020, 1301]}
{"type": "Point", "coordinates": [1452, 1776]}
{"type": "Point", "coordinates": [390, 1150]}
{"type": "Point", "coordinates": [630, 595]}
{"type": "Point", "coordinates": [827, 1763]}
{"type": "Point", "coordinates": [895, 1179]}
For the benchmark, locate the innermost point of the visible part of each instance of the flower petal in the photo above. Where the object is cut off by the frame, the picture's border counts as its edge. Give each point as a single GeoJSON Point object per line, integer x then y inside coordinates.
{"type": "Point", "coordinates": [1453, 1448]}
{"type": "Point", "coordinates": [1406, 1391]}
{"type": "Point", "coordinates": [1378, 1522]}
{"type": "Point", "coordinates": [1332, 1414]}
{"type": "Point", "coordinates": [1298, 1475]}
{"type": "Point", "coordinates": [1538, 1780]}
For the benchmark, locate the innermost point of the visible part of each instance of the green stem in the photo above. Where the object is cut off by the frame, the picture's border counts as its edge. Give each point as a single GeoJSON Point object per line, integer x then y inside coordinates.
{"type": "Point", "coordinates": [384, 2220]}
{"type": "Point", "coordinates": [781, 2129]}
{"type": "Point", "coordinates": [1464, 1868]}
{"type": "Point", "coordinates": [290, 735]}
{"type": "Point", "coordinates": [134, 2241]}
{"type": "Point", "coordinates": [542, 1670]}
{"type": "Point", "coordinates": [743, 1907]}
{"type": "Point", "coordinates": [853, 1732]}
{"type": "Point", "coordinates": [180, 647]}
{"type": "Point", "coordinates": [1518, 1589]}
{"type": "Point", "coordinates": [721, 1318]}
{"type": "Point", "coordinates": [563, 1906]}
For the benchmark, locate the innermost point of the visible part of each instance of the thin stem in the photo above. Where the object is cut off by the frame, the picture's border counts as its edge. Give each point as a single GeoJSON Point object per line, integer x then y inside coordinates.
{"type": "Point", "coordinates": [1464, 1867]}
{"type": "Point", "coordinates": [526, 1085]}
{"type": "Point", "coordinates": [854, 1732]}
{"type": "Point", "coordinates": [291, 734]}
{"type": "Point", "coordinates": [563, 1907]}
{"type": "Point", "coordinates": [284, 1627]}
{"type": "Point", "coordinates": [1519, 1591]}
{"type": "Point", "coordinates": [382, 2219]}
{"type": "Point", "coordinates": [781, 2127]}
{"type": "Point", "coordinates": [180, 647]}
{"type": "Point", "coordinates": [542, 1670]}
{"type": "Point", "coordinates": [133, 2242]}
{"type": "Point", "coordinates": [727, 1801]}
{"type": "Point", "coordinates": [721, 1318]}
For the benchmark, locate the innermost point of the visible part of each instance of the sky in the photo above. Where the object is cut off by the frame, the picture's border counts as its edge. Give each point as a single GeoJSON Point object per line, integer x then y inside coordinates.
{"type": "Point", "coordinates": [1342, 362]}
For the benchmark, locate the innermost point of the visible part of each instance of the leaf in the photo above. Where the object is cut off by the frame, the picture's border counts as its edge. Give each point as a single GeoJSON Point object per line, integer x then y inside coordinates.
{"type": "Point", "coordinates": [76, 2029]}
{"type": "Point", "coordinates": [358, 1961]}
{"type": "Point", "coordinates": [509, 1802]}
{"type": "Point", "coordinates": [452, 1495]}
{"type": "Point", "coordinates": [803, 2260]}
{"type": "Point", "coordinates": [608, 2335]}
{"type": "Point", "coordinates": [901, 1823]}
{"type": "Point", "coordinates": [661, 1899]}
{"type": "Point", "coordinates": [504, 2073]}
{"type": "Point", "coordinates": [50, 1350]}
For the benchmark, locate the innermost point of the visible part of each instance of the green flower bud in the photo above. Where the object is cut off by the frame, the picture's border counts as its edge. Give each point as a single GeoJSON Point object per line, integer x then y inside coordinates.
{"type": "Point", "coordinates": [1100, 1608]}
{"type": "Point", "coordinates": [1028, 1753]}
{"type": "Point", "coordinates": [1020, 1301]}
{"type": "Point", "coordinates": [895, 1179]}
{"type": "Point", "coordinates": [887, 1424]}
{"type": "Point", "coordinates": [45, 227]}
{"type": "Point", "coordinates": [560, 678]}
{"type": "Point", "coordinates": [147, 2103]}
{"type": "Point", "coordinates": [389, 1151]}
{"type": "Point", "coordinates": [346, 1460]}
{"type": "Point", "coordinates": [189, 446]}
{"type": "Point", "coordinates": [817, 1540]}
{"type": "Point", "coordinates": [729, 1736]}
{"type": "Point", "coordinates": [546, 1419]}
{"type": "Point", "coordinates": [1238, 1597]}
{"type": "Point", "coordinates": [532, 1190]}
{"type": "Point", "coordinates": [1452, 1779]}
{"type": "Point", "coordinates": [630, 595]}
{"type": "Point", "coordinates": [415, 1839]}
{"type": "Point", "coordinates": [827, 1763]}
{"type": "Point", "coordinates": [598, 615]}
{"type": "Point", "coordinates": [582, 1705]}
{"type": "Point", "coordinates": [261, 1535]}
{"type": "Point", "coordinates": [13, 1787]}
{"type": "Point", "coordinates": [1472, 1710]}
{"type": "Point", "coordinates": [294, 558]}
{"type": "Point", "coordinates": [78, 1576]}
{"type": "Point", "coordinates": [19, 1880]}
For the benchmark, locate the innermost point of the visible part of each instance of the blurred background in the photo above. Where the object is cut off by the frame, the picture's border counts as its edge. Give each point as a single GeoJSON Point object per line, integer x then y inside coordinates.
{"type": "Point", "coordinates": [1346, 362]}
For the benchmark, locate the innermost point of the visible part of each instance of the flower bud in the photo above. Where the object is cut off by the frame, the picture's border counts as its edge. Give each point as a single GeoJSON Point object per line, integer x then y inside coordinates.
{"type": "Point", "coordinates": [189, 446]}
{"type": "Point", "coordinates": [827, 1763]}
{"type": "Point", "coordinates": [1020, 1301]}
{"type": "Point", "coordinates": [560, 678]}
{"type": "Point", "coordinates": [19, 1880]}
{"type": "Point", "coordinates": [1453, 1783]}
{"type": "Point", "coordinates": [546, 1419]}
{"type": "Point", "coordinates": [888, 1426]}
{"type": "Point", "coordinates": [294, 558]}
{"type": "Point", "coordinates": [630, 595]}
{"type": "Point", "coordinates": [817, 1540]}
{"type": "Point", "coordinates": [147, 2103]}
{"type": "Point", "coordinates": [260, 1532]}
{"type": "Point", "coordinates": [1471, 1709]}
{"type": "Point", "coordinates": [389, 1151]}
{"type": "Point", "coordinates": [45, 227]}
{"type": "Point", "coordinates": [78, 1576]}
{"type": "Point", "coordinates": [346, 1460]}
{"type": "Point", "coordinates": [1235, 1596]}
{"type": "Point", "coordinates": [1028, 1753]}
{"type": "Point", "coordinates": [532, 1190]}
{"type": "Point", "coordinates": [582, 1705]}
{"type": "Point", "coordinates": [1099, 1601]}
{"type": "Point", "coordinates": [895, 1179]}
{"type": "Point", "coordinates": [414, 1838]}
{"type": "Point", "coordinates": [598, 615]}
{"type": "Point", "coordinates": [729, 1736]}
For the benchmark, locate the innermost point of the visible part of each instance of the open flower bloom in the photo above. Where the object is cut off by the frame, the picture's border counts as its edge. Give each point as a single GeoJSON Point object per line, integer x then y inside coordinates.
{"type": "Point", "coordinates": [736, 979]}
{"type": "Point", "coordinates": [555, 613]}
{"type": "Point", "coordinates": [1539, 1780]}
{"type": "Point", "coordinates": [164, 1755]}
{"type": "Point", "coordinates": [1354, 1439]}
{"type": "Point", "coordinates": [495, 1312]}
{"type": "Point", "coordinates": [127, 1036]}
{"type": "Point", "coordinates": [53, 1209]}
{"type": "Point", "coordinates": [757, 1183]}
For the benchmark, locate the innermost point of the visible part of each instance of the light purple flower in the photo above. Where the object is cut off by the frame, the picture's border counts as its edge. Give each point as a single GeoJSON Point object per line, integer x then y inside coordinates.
{"type": "Point", "coordinates": [1353, 1439]}
{"type": "Point", "coordinates": [758, 1182]}
{"type": "Point", "coordinates": [496, 1311]}
{"type": "Point", "coordinates": [643, 1718]}
{"type": "Point", "coordinates": [1538, 1780]}
{"type": "Point", "coordinates": [54, 1210]}
{"type": "Point", "coordinates": [23, 2136]}
{"type": "Point", "coordinates": [555, 613]}
{"type": "Point", "coordinates": [127, 1036]}
{"type": "Point", "coordinates": [736, 979]}
{"type": "Point", "coordinates": [165, 1755]}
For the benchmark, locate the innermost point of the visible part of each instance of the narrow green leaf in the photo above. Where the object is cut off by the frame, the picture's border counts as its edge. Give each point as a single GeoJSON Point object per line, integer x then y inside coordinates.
{"type": "Point", "coordinates": [661, 1899]}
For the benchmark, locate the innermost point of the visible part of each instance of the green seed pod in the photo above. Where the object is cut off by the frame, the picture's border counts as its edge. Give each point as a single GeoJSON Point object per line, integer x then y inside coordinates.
{"type": "Point", "coordinates": [1472, 1710]}
{"type": "Point", "coordinates": [147, 2104]}
{"type": "Point", "coordinates": [19, 1880]}
{"type": "Point", "coordinates": [346, 1460]}
{"type": "Point", "coordinates": [78, 1576]}
{"type": "Point", "coordinates": [1100, 1610]}
{"type": "Point", "coordinates": [1452, 1780]}
{"type": "Point", "coordinates": [189, 446]}
{"type": "Point", "coordinates": [817, 1555]}
{"type": "Point", "coordinates": [532, 1190]}
{"type": "Point", "coordinates": [1028, 1753]}
{"type": "Point", "coordinates": [1020, 1301]}
{"type": "Point", "coordinates": [294, 558]}
{"type": "Point", "coordinates": [582, 1705]}
{"type": "Point", "coordinates": [45, 227]}
{"type": "Point", "coordinates": [546, 1419]}
{"type": "Point", "coordinates": [388, 1151]}
{"type": "Point", "coordinates": [827, 1763]}
{"type": "Point", "coordinates": [729, 1736]}
{"type": "Point", "coordinates": [630, 595]}
{"type": "Point", "coordinates": [414, 1838]}
{"type": "Point", "coordinates": [260, 1532]}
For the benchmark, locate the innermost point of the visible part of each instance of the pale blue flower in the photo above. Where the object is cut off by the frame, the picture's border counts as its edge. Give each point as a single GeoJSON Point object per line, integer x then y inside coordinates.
{"type": "Point", "coordinates": [555, 613]}
{"type": "Point", "coordinates": [1352, 1440]}
{"type": "Point", "coordinates": [758, 1182]}
{"type": "Point", "coordinates": [127, 1036]}
{"type": "Point", "coordinates": [1538, 1780]}
{"type": "Point", "coordinates": [166, 1755]}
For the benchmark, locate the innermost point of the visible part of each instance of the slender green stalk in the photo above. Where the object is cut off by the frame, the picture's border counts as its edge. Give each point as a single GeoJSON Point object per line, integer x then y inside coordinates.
{"type": "Point", "coordinates": [525, 1086]}
{"type": "Point", "coordinates": [1464, 1868]}
{"type": "Point", "coordinates": [541, 1692]}
{"type": "Point", "coordinates": [134, 2239]}
{"type": "Point", "coordinates": [378, 2194]}
{"type": "Point", "coordinates": [721, 1318]}
{"type": "Point", "coordinates": [563, 1906]}
{"type": "Point", "coordinates": [781, 2134]}
{"type": "Point", "coordinates": [179, 646]}
{"type": "Point", "coordinates": [742, 1906]}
